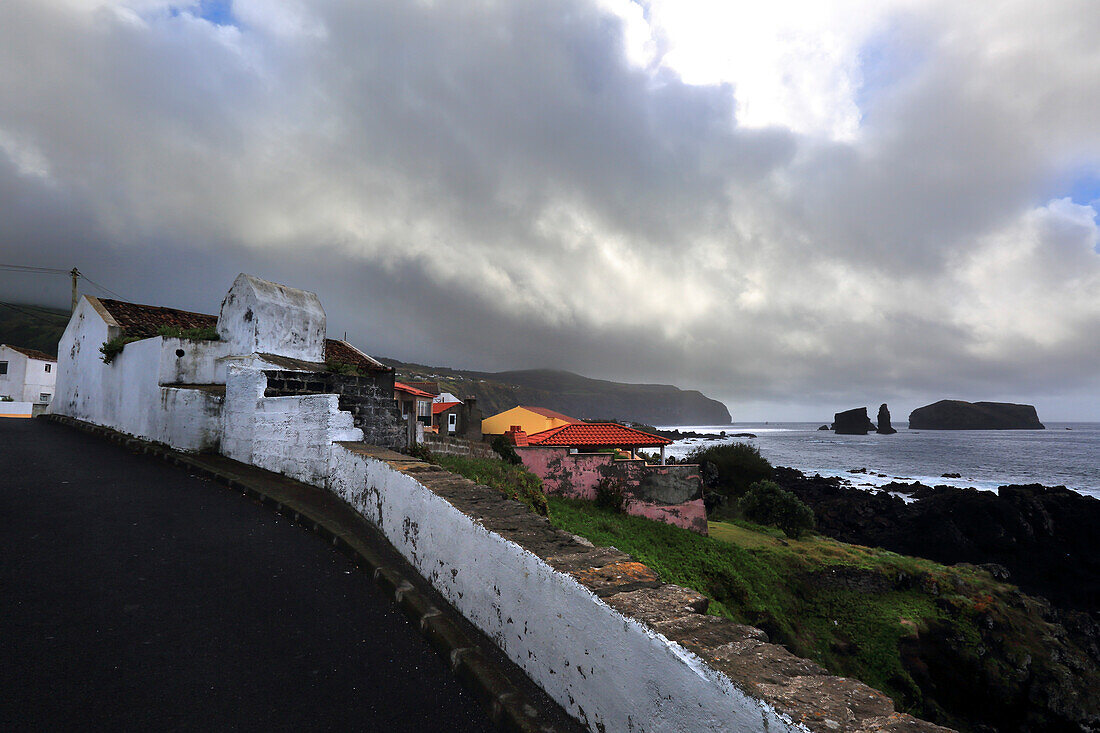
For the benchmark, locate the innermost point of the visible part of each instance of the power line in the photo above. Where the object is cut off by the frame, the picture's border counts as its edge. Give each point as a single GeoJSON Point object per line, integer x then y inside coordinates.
{"type": "Point", "coordinates": [35, 270]}
{"type": "Point", "coordinates": [93, 282]}
{"type": "Point", "coordinates": [37, 316]}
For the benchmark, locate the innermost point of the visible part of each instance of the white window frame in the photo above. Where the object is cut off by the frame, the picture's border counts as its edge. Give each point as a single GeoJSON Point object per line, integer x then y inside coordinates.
{"type": "Point", "coordinates": [44, 396]}
{"type": "Point", "coordinates": [48, 366]}
{"type": "Point", "coordinates": [452, 422]}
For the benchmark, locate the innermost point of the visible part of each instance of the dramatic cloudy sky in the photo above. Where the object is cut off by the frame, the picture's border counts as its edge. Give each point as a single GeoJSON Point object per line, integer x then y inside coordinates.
{"type": "Point", "coordinates": [797, 207]}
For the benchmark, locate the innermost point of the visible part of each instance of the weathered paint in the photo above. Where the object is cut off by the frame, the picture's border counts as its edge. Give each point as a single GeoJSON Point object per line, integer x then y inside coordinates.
{"type": "Point", "coordinates": [128, 394]}
{"type": "Point", "coordinates": [608, 670]}
{"type": "Point", "coordinates": [289, 435]}
{"type": "Point", "coordinates": [669, 494]}
{"type": "Point", "coordinates": [262, 317]}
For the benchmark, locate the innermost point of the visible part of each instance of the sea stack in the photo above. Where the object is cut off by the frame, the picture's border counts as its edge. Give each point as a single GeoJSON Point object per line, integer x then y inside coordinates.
{"type": "Point", "coordinates": [959, 415]}
{"type": "Point", "coordinates": [884, 427]}
{"type": "Point", "coordinates": [852, 422]}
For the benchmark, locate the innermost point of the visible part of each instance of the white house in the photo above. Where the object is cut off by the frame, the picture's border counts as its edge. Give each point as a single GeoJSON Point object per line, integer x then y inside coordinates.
{"type": "Point", "coordinates": [27, 376]}
{"type": "Point", "coordinates": [200, 382]}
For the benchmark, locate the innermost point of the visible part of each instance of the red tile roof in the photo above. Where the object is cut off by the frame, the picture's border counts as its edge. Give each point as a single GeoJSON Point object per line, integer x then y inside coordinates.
{"type": "Point", "coordinates": [597, 435]}
{"type": "Point", "coordinates": [402, 387]}
{"type": "Point", "coordinates": [550, 413]}
{"type": "Point", "coordinates": [32, 353]}
{"type": "Point", "coordinates": [144, 321]}
{"type": "Point", "coordinates": [344, 353]}
{"type": "Point", "coordinates": [438, 407]}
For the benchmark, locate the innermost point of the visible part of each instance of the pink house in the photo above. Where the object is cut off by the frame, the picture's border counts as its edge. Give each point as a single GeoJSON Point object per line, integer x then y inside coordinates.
{"type": "Point", "coordinates": [568, 461]}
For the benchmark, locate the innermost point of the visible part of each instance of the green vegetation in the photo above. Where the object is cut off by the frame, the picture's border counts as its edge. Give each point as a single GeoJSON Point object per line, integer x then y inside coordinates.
{"type": "Point", "coordinates": [730, 469]}
{"type": "Point", "coordinates": [515, 482]}
{"type": "Point", "coordinates": [766, 503]}
{"type": "Point", "coordinates": [111, 349]}
{"type": "Point", "coordinates": [505, 450]}
{"type": "Point", "coordinates": [32, 326]}
{"type": "Point", "coordinates": [209, 333]}
{"type": "Point", "coordinates": [340, 367]}
{"type": "Point", "coordinates": [866, 613]}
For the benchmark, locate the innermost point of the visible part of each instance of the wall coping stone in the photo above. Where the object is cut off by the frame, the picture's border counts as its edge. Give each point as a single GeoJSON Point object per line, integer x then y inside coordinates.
{"type": "Point", "coordinates": [797, 688]}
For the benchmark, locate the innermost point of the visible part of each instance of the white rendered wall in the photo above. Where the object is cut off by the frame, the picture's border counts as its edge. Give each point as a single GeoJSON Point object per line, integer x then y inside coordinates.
{"type": "Point", "coordinates": [289, 435]}
{"type": "Point", "coordinates": [608, 670]}
{"type": "Point", "coordinates": [258, 316]}
{"type": "Point", "coordinates": [126, 394]}
{"type": "Point", "coordinates": [27, 378]}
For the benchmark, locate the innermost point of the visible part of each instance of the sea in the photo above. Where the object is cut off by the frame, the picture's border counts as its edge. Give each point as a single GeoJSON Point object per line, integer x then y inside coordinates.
{"type": "Point", "coordinates": [1066, 454]}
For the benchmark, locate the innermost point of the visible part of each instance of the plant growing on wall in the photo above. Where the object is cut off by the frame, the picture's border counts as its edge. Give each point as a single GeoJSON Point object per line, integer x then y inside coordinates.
{"type": "Point", "coordinates": [112, 348]}
{"type": "Point", "coordinates": [194, 334]}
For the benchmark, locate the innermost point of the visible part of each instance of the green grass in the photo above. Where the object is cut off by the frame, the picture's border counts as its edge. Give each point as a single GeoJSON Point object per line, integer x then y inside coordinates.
{"type": "Point", "coordinates": [788, 587]}
{"type": "Point", "coordinates": [515, 482]}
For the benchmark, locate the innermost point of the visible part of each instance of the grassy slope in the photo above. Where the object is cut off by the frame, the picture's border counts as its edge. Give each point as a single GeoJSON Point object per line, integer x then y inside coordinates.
{"type": "Point", "coordinates": [32, 326]}
{"type": "Point", "coordinates": [857, 611]}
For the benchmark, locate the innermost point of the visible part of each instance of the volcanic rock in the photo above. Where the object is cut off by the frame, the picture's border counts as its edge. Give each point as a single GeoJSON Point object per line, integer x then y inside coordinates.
{"type": "Point", "coordinates": [959, 415]}
{"type": "Point", "coordinates": [852, 422]}
{"type": "Point", "coordinates": [884, 427]}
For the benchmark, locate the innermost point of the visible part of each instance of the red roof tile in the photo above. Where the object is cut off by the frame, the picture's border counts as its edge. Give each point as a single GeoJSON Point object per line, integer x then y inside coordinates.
{"type": "Point", "coordinates": [550, 413]}
{"type": "Point", "coordinates": [402, 387]}
{"type": "Point", "coordinates": [144, 321]}
{"type": "Point", "coordinates": [32, 353]}
{"type": "Point", "coordinates": [344, 353]}
{"type": "Point", "coordinates": [438, 407]}
{"type": "Point", "coordinates": [597, 435]}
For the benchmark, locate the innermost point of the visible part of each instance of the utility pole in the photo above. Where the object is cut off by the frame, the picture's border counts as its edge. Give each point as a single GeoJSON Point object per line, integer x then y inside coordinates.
{"type": "Point", "coordinates": [75, 273]}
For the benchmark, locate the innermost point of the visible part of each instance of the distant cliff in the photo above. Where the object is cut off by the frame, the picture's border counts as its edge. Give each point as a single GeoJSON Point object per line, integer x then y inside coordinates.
{"type": "Point", "coordinates": [959, 415]}
{"type": "Point", "coordinates": [573, 394]}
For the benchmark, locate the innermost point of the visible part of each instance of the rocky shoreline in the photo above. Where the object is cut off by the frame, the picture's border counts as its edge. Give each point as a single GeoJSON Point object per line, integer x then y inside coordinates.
{"type": "Point", "coordinates": [1041, 539]}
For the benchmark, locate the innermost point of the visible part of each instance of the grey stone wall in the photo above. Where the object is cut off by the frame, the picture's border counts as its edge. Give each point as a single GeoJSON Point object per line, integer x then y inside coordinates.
{"type": "Point", "coordinates": [458, 447]}
{"type": "Point", "coordinates": [369, 400]}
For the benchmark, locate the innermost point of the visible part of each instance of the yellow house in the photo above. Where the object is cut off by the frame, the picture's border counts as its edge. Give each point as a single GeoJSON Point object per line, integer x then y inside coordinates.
{"type": "Point", "coordinates": [530, 419]}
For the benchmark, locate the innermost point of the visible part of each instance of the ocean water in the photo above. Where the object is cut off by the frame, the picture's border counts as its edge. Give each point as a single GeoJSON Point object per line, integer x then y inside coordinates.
{"type": "Point", "coordinates": [1064, 453]}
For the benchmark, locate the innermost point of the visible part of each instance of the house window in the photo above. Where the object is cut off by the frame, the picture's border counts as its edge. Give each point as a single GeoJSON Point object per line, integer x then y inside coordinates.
{"type": "Point", "coordinates": [3, 367]}
{"type": "Point", "coordinates": [423, 408]}
{"type": "Point", "coordinates": [48, 367]}
{"type": "Point", "coordinates": [405, 410]}
{"type": "Point", "coordinates": [452, 422]}
{"type": "Point", "coordinates": [44, 397]}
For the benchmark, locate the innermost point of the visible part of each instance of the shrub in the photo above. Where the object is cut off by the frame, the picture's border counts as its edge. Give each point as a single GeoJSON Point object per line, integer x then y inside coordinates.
{"type": "Point", "coordinates": [505, 450]}
{"type": "Point", "coordinates": [210, 333]}
{"type": "Point", "coordinates": [732, 468]}
{"type": "Point", "coordinates": [766, 503]}
{"type": "Point", "coordinates": [111, 349]}
{"type": "Point", "coordinates": [610, 494]}
{"type": "Point", "coordinates": [421, 451]}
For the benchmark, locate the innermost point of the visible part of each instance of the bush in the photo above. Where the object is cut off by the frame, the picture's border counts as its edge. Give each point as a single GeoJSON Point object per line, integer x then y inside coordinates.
{"type": "Point", "coordinates": [505, 450]}
{"type": "Point", "coordinates": [209, 333]}
{"type": "Point", "coordinates": [766, 503]}
{"type": "Point", "coordinates": [111, 349]}
{"type": "Point", "coordinates": [610, 494]}
{"type": "Point", "coordinates": [421, 451]}
{"type": "Point", "coordinates": [732, 468]}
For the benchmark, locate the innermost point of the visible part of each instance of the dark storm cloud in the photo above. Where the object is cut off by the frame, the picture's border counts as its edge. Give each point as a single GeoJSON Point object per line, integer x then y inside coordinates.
{"type": "Point", "coordinates": [495, 185]}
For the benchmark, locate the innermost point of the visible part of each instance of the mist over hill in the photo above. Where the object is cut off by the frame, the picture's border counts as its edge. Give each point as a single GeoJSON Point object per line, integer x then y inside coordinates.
{"type": "Point", "coordinates": [575, 395]}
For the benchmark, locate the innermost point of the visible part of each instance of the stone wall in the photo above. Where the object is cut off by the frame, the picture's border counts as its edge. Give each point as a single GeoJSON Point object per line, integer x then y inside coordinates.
{"type": "Point", "coordinates": [669, 494]}
{"type": "Point", "coordinates": [457, 446]}
{"type": "Point", "coordinates": [369, 399]}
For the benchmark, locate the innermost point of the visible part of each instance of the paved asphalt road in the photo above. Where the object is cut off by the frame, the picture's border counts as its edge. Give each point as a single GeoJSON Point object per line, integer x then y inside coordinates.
{"type": "Point", "coordinates": [136, 597]}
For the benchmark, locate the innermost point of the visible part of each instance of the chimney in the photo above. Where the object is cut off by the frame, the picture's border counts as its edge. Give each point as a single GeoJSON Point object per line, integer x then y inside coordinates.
{"type": "Point", "coordinates": [516, 436]}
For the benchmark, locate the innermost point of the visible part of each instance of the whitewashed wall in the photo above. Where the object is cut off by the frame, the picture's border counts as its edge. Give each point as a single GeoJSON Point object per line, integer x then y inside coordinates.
{"type": "Point", "coordinates": [289, 435]}
{"type": "Point", "coordinates": [126, 394]}
{"type": "Point", "coordinates": [27, 378]}
{"type": "Point", "coordinates": [604, 668]}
